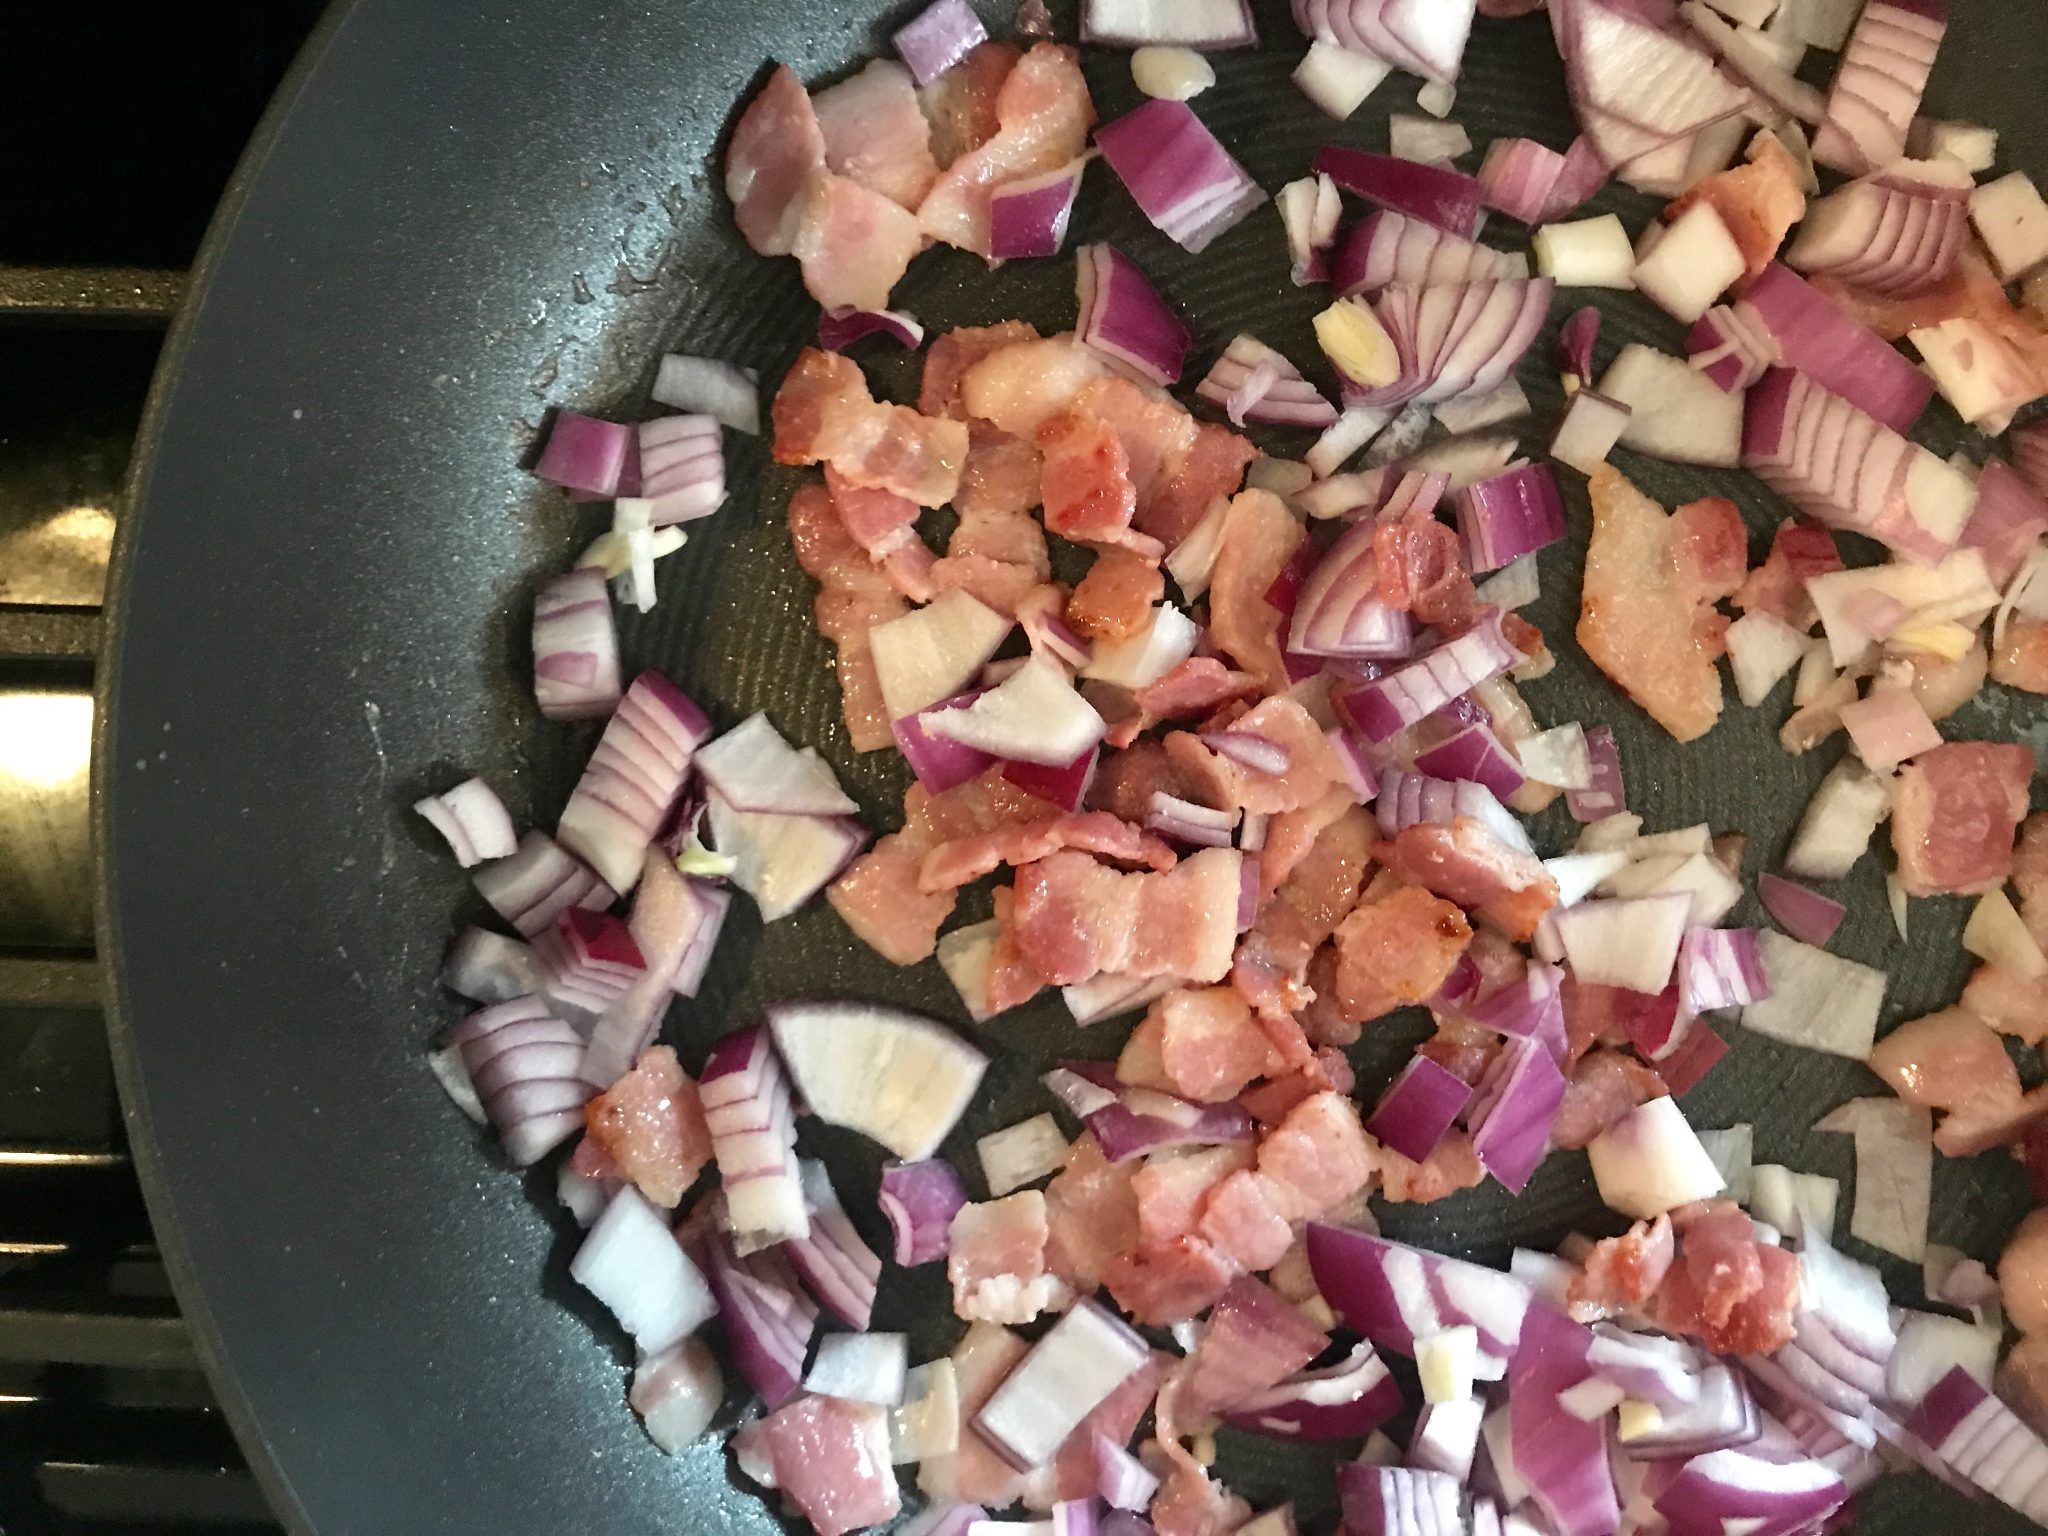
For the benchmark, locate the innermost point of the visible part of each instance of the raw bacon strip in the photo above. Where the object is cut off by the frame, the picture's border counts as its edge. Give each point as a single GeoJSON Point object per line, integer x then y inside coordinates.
{"type": "Point", "coordinates": [1076, 918]}
{"type": "Point", "coordinates": [1954, 812]}
{"type": "Point", "coordinates": [885, 525]}
{"type": "Point", "coordinates": [854, 244]}
{"type": "Point", "coordinates": [853, 599]}
{"type": "Point", "coordinates": [876, 133]}
{"type": "Point", "coordinates": [777, 153]}
{"type": "Point", "coordinates": [825, 414]}
{"type": "Point", "coordinates": [1043, 114]}
{"type": "Point", "coordinates": [952, 865]}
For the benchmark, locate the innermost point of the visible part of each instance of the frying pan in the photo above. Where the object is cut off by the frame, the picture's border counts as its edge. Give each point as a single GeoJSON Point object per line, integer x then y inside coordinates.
{"type": "Point", "coordinates": [456, 215]}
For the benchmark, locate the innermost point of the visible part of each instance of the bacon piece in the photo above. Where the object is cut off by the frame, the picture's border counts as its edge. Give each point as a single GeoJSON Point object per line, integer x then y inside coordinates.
{"type": "Point", "coordinates": [824, 414]}
{"type": "Point", "coordinates": [1160, 1284]}
{"type": "Point", "coordinates": [1255, 1339]}
{"type": "Point", "coordinates": [2030, 874]}
{"type": "Point", "coordinates": [1013, 979]}
{"type": "Point", "coordinates": [1211, 471]}
{"type": "Point", "coordinates": [880, 895]}
{"type": "Point", "coordinates": [1157, 434]}
{"type": "Point", "coordinates": [998, 556]}
{"type": "Point", "coordinates": [1126, 780]}
{"type": "Point", "coordinates": [1467, 864]}
{"type": "Point", "coordinates": [1092, 1213]}
{"type": "Point", "coordinates": [854, 244]}
{"type": "Point", "coordinates": [831, 1459]}
{"type": "Point", "coordinates": [1114, 600]}
{"type": "Point", "coordinates": [2023, 1381]}
{"type": "Point", "coordinates": [1247, 1217]}
{"type": "Point", "coordinates": [1451, 1167]}
{"type": "Point", "coordinates": [1319, 1155]}
{"type": "Point", "coordinates": [876, 133]}
{"type": "Point", "coordinates": [1173, 1187]}
{"type": "Point", "coordinates": [2010, 1003]}
{"type": "Point", "coordinates": [2021, 659]}
{"type": "Point", "coordinates": [1087, 480]}
{"type": "Point", "coordinates": [1259, 537]}
{"type": "Point", "coordinates": [885, 525]}
{"type": "Point", "coordinates": [1758, 202]}
{"type": "Point", "coordinates": [1955, 809]}
{"type": "Point", "coordinates": [1730, 1290]}
{"type": "Point", "coordinates": [1954, 1061]}
{"type": "Point", "coordinates": [1604, 1087]}
{"type": "Point", "coordinates": [652, 1126]}
{"type": "Point", "coordinates": [1043, 114]}
{"type": "Point", "coordinates": [1419, 570]}
{"type": "Point", "coordinates": [1971, 291]}
{"type": "Point", "coordinates": [1624, 1271]}
{"type": "Point", "coordinates": [996, 1261]}
{"type": "Point", "coordinates": [1313, 768]}
{"type": "Point", "coordinates": [1646, 614]}
{"type": "Point", "coordinates": [952, 865]}
{"type": "Point", "coordinates": [1799, 550]}
{"type": "Point", "coordinates": [854, 597]}
{"type": "Point", "coordinates": [1396, 949]}
{"type": "Point", "coordinates": [998, 485]}
{"type": "Point", "coordinates": [1597, 1015]}
{"type": "Point", "coordinates": [974, 1472]}
{"type": "Point", "coordinates": [961, 104]}
{"type": "Point", "coordinates": [777, 153]}
{"type": "Point", "coordinates": [1019, 388]}
{"type": "Point", "coordinates": [1197, 686]}
{"type": "Point", "coordinates": [1076, 918]}
{"type": "Point", "coordinates": [1209, 1046]}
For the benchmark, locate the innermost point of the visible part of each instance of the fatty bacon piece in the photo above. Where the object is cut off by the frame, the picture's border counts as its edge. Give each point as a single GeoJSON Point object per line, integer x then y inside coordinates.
{"type": "Point", "coordinates": [854, 596]}
{"type": "Point", "coordinates": [777, 153]}
{"type": "Point", "coordinates": [651, 1125]}
{"type": "Point", "coordinates": [961, 104]}
{"type": "Point", "coordinates": [1312, 770]}
{"type": "Point", "coordinates": [1043, 114]}
{"type": "Point", "coordinates": [1728, 1288]}
{"type": "Point", "coordinates": [876, 133]}
{"type": "Point", "coordinates": [997, 551]}
{"type": "Point", "coordinates": [1259, 537]}
{"type": "Point", "coordinates": [885, 525]}
{"type": "Point", "coordinates": [1647, 616]}
{"type": "Point", "coordinates": [1075, 918]}
{"type": "Point", "coordinates": [1503, 887]}
{"type": "Point", "coordinates": [965, 860]}
{"type": "Point", "coordinates": [1955, 809]}
{"type": "Point", "coordinates": [824, 414]}
{"type": "Point", "coordinates": [1397, 947]}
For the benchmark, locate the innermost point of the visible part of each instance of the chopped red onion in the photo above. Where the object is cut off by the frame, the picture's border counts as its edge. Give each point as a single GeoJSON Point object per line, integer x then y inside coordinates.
{"type": "Point", "coordinates": [840, 328]}
{"type": "Point", "coordinates": [675, 922]}
{"type": "Point", "coordinates": [1723, 1415]}
{"type": "Point", "coordinates": [1418, 1107]}
{"type": "Point", "coordinates": [1512, 1110]}
{"type": "Point", "coordinates": [585, 454]}
{"type": "Point", "coordinates": [1474, 753]}
{"type": "Point", "coordinates": [1801, 911]}
{"type": "Point", "coordinates": [1064, 784]}
{"type": "Point", "coordinates": [1201, 24]}
{"type": "Point", "coordinates": [488, 967]}
{"type": "Point", "coordinates": [1286, 399]}
{"type": "Point", "coordinates": [1035, 715]}
{"type": "Point", "coordinates": [920, 1200]}
{"type": "Point", "coordinates": [1449, 200]}
{"type": "Point", "coordinates": [1735, 1490]}
{"type": "Point", "coordinates": [633, 778]}
{"type": "Point", "coordinates": [1419, 689]}
{"type": "Point", "coordinates": [1344, 1401]}
{"type": "Point", "coordinates": [1339, 612]}
{"type": "Point", "coordinates": [747, 1105]}
{"type": "Point", "coordinates": [1121, 1480]}
{"type": "Point", "coordinates": [1187, 184]}
{"type": "Point", "coordinates": [1339, 79]}
{"type": "Point", "coordinates": [939, 37]}
{"type": "Point", "coordinates": [575, 647]}
{"type": "Point", "coordinates": [1021, 1154]}
{"type": "Point", "coordinates": [632, 1263]}
{"type": "Point", "coordinates": [1123, 317]}
{"type": "Point", "coordinates": [1453, 342]}
{"type": "Point", "coordinates": [1732, 346]}
{"type": "Point", "coordinates": [1607, 797]}
{"type": "Point", "coordinates": [677, 1394]}
{"type": "Point", "coordinates": [1309, 208]}
{"type": "Point", "coordinates": [1446, 1437]}
{"type": "Point", "coordinates": [1394, 1294]}
{"type": "Point", "coordinates": [861, 1367]}
{"type": "Point", "coordinates": [1143, 1122]}
{"type": "Point", "coordinates": [1080, 1094]}
{"type": "Point", "coordinates": [1514, 513]}
{"type": "Point", "coordinates": [591, 960]}
{"type": "Point", "coordinates": [1109, 995]}
{"type": "Point", "coordinates": [1189, 824]}
{"type": "Point", "coordinates": [1720, 968]}
{"type": "Point", "coordinates": [516, 1056]}
{"type": "Point", "coordinates": [1561, 1459]}
{"type": "Point", "coordinates": [473, 820]}
{"type": "Point", "coordinates": [755, 769]}
{"type": "Point", "coordinates": [1887, 726]}
{"type": "Point", "coordinates": [1406, 799]}
{"type": "Point", "coordinates": [896, 1077]}
{"type": "Point", "coordinates": [1834, 350]}
{"type": "Point", "coordinates": [1591, 426]}
{"type": "Point", "coordinates": [782, 861]}
{"type": "Point", "coordinates": [1029, 218]}
{"type": "Point", "coordinates": [1576, 339]}
{"type": "Point", "coordinates": [1087, 1355]}
{"type": "Point", "coordinates": [1397, 1501]}
{"type": "Point", "coordinates": [1248, 749]}
{"type": "Point", "coordinates": [836, 1266]}
{"type": "Point", "coordinates": [1518, 177]}
{"type": "Point", "coordinates": [1646, 1366]}
{"type": "Point", "coordinates": [682, 469]}
{"type": "Point", "coordinates": [1530, 1009]}
{"type": "Point", "coordinates": [1386, 248]}
{"type": "Point", "coordinates": [767, 1318]}
{"type": "Point", "coordinates": [939, 764]}
{"type": "Point", "coordinates": [1876, 91]}
{"type": "Point", "coordinates": [1631, 942]}
{"type": "Point", "coordinates": [2009, 519]}
{"type": "Point", "coordinates": [702, 386]}
{"type": "Point", "coordinates": [538, 883]}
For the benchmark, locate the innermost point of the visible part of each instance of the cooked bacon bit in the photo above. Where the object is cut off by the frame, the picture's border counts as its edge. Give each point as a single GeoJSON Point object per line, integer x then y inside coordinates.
{"type": "Point", "coordinates": [853, 599]}
{"type": "Point", "coordinates": [1465, 863]}
{"type": "Point", "coordinates": [1327, 1071]}
{"type": "Point", "coordinates": [2030, 874]}
{"type": "Point", "coordinates": [1955, 809]}
{"type": "Point", "coordinates": [1198, 686]}
{"type": "Point", "coordinates": [1604, 1086]}
{"type": "Point", "coordinates": [1087, 481]}
{"type": "Point", "coordinates": [876, 133]}
{"type": "Point", "coordinates": [1451, 1167]}
{"type": "Point", "coordinates": [1312, 770]}
{"type": "Point", "coordinates": [1172, 1188]}
{"type": "Point", "coordinates": [880, 895]}
{"type": "Point", "coordinates": [1077, 918]}
{"type": "Point", "coordinates": [1419, 570]}
{"type": "Point", "coordinates": [952, 865]}
{"type": "Point", "coordinates": [1394, 950]}
{"type": "Point", "coordinates": [1092, 1211]}
{"type": "Point", "coordinates": [854, 245]}
{"type": "Point", "coordinates": [1189, 1503]}
{"type": "Point", "coordinates": [1758, 202]}
{"type": "Point", "coordinates": [1114, 600]}
{"type": "Point", "coordinates": [1127, 780]}
{"type": "Point", "coordinates": [2023, 1381]}
{"type": "Point", "coordinates": [1156, 432]}
{"type": "Point", "coordinates": [2023, 1275]}
{"type": "Point", "coordinates": [1212, 471]}
{"type": "Point", "coordinates": [1971, 292]}
{"type": "Point", "coordinates": [1209, 1045]}
{"type": "Point", "coordinates": [1646, 614]}
{"type": "Point", "coordinates": [652, 1125]}
{"type": "Point", "coordinates": [1259, 537]}
{"type": "Point", "coordinates": [1733, 1292]}
{"type": "Point", "coordinates": [1021, 387]}
{"type": "Point", "coordinates": [1955, 1061]}
{"type": "Point", "coordinates": [1624, 1271]}
{"type": "Point", "coordinates": [1319, 1155]}
{"type": "Point", "coordinates": [885, 525]}
{"type": "Point", "coordinates": [1819, 718]}
{"type": "Point", "coordinates": [1778, 587]}
{"type": "Point", "coordinates": [1043, 114]}
{"type": "Point", "coordinates": [1246, 1217]}
{"type": "Point", "coordinates": [2021, 661]}
{"type": "Point", "coordinates": [997, 556]}
{"type": "Point", "coordinates": [1270, 969]}
{"type": "Point", "coordinates": [1942, 686]}
{"type": "Point", "coordinates": [996, 1261]}
{"type": "Point", "coordinates": [831, 1459]}
{"type": "Point", "coordinates": [949, 357]}
{"type": "Point", "coordinates": [1013, 979]}
{"type": "Point", "coordinates": [777, 152]}
{"type": "Point", "coordinates": [961, 103]}
{"type": "Point", "coordinates": [1460, 1051]}
{"type": "Point", "coordinates": [2010, 1003]}
{"type": "Point", "coordinates": [1160, 1284]}
{"type": "Point", "coordinates": [824, 414]}
{"type": "Point", "coordinates": [1597, 1015]}
{"type": "Point", "coordinates": [1323, 884]}
{"type": "Point", "coordinates": [975, 1473]}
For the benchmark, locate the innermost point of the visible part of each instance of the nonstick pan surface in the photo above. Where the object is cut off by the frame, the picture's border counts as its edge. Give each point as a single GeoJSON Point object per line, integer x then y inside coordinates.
{"type": "Point", "coordinates": [459, 214]}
